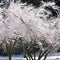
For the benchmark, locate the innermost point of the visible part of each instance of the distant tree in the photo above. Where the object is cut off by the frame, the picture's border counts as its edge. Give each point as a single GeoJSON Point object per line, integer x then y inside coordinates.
{"type": "Point", "coordinates": [0, 1]}
{"type": "Point", "coordinates": [58, 49]}
{"type": "Point", "coordinates": [57, 3]}
{"type": "Point", "coordinates": [33, 2]}
{"type": "Point", "coordinates": [47, 0]}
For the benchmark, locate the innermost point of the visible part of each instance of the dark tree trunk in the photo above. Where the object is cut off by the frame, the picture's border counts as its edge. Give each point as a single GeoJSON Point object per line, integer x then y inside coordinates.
{"type": "Point", "coordinates": [9, 56]}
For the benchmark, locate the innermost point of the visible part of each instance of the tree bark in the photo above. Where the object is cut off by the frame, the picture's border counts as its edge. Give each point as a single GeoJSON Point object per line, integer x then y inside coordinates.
{"type": "Point", "coordinates": [9, 56]}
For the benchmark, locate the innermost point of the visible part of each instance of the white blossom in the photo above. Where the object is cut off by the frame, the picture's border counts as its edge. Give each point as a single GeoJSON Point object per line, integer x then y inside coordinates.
{"type": "Point", "coordinates": [29, 22]}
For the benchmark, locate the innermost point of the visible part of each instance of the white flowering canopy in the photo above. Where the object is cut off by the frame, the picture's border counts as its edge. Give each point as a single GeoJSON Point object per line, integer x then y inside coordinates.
{"type": "Point", "coordinates": [20, 20]}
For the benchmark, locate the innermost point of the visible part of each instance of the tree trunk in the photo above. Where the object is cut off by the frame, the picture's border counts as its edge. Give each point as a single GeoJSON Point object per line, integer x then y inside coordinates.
{"type": "Point", "coordinates": [9, 56]}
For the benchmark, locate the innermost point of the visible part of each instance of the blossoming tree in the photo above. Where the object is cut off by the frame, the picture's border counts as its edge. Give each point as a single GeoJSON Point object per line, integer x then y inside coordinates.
{"type": "Point", "coordinates": [29, 22]}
